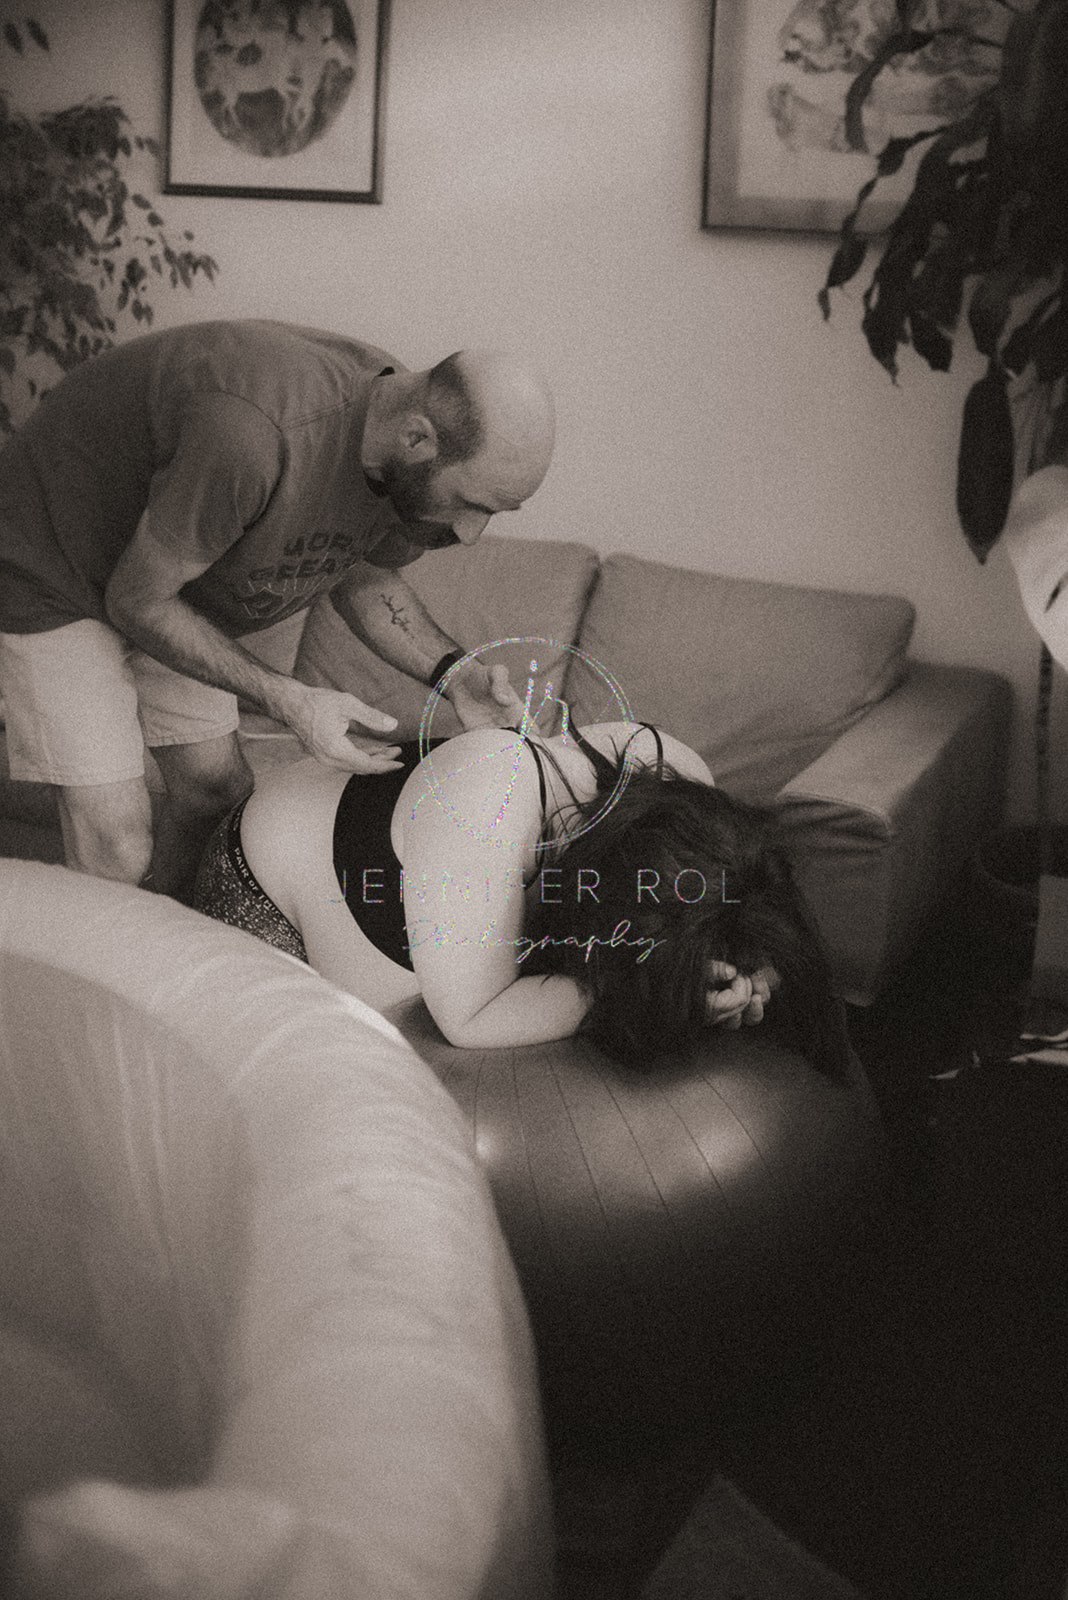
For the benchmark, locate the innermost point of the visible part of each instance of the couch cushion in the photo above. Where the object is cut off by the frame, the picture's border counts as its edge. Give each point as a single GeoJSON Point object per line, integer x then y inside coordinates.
{"type": "Point", "coordinates": [760, 678]}
{"type": "Point", "coordinates": [501, 588]}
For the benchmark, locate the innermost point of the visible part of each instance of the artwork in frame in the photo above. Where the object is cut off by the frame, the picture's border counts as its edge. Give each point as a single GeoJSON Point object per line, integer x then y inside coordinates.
{"type": "Point", "coordinates": [776, 151]}
{"type": "Point", "coordinates": [276, 99]}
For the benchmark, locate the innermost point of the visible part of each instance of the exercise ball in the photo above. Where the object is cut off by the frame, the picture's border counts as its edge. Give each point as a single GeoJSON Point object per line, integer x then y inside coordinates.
{"type": "Point", "coordinates": [658, 1218]}
{"type": "Point", "coordinates": [259, 1330]}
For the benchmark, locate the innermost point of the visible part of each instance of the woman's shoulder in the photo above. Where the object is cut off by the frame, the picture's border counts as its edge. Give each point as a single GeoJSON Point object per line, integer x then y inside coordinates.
{"type": "Point", "coordinates": [474, 759]}
{"type": "Point", "coordinates": [485, 778]}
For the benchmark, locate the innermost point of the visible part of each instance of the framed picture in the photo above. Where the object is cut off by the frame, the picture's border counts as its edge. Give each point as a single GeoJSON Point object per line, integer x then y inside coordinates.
{"type": "Point", "coordinates": [775, 153]}
{"type": "Point", "coordinates": [276, 99]}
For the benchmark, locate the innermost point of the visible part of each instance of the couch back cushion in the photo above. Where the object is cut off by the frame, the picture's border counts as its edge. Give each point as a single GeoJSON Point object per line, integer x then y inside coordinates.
{"type": "Point", "coordinates": [760, 678]}
{"type": "Point", "coordinates": [498, 589]}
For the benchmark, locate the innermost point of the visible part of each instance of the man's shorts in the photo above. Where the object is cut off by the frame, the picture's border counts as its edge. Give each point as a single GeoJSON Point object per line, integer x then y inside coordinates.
{"type": "Point", "coordinates": [81, 703]}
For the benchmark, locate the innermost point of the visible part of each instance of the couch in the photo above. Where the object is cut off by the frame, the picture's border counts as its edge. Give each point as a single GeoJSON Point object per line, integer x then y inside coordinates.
{"type": "Point", "coordinates": [885, 770]}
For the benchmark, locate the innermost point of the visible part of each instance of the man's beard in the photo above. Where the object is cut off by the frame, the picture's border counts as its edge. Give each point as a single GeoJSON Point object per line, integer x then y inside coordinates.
{"type": "Point", "coordinates": [408, 488]}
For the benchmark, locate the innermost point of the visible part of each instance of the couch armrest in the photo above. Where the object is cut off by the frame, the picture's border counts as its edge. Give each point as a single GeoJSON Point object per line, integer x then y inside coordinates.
{"type": "Point", "coordinates": [882, 823]}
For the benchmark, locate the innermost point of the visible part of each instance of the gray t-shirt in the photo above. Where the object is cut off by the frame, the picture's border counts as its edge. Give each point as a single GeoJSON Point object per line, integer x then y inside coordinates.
{"type": "Point", "coordinates": [242, 440]}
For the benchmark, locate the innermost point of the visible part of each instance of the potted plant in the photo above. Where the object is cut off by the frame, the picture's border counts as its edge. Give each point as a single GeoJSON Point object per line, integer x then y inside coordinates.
{"type": "Point", "coordinates": [978, 249]}
{"type": "Point", "coordinates": [80, 248]}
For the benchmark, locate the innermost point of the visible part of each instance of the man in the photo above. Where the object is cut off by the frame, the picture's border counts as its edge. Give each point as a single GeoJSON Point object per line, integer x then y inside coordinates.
{"type": "Point", "coordinates": [201, 483]}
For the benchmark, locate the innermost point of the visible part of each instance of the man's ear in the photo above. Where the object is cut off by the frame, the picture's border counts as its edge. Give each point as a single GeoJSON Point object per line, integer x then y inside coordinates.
{"type": "Point", "coordinates": [417, 438]}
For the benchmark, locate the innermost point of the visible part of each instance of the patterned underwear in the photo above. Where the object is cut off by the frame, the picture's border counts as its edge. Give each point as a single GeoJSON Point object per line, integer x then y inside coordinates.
{"type": "Point", "coordinates": [226, 889]}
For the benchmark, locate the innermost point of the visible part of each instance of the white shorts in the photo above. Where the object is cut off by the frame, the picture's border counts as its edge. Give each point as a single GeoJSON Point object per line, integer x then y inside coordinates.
{"type": "Point", "coordinates": [81, 703]}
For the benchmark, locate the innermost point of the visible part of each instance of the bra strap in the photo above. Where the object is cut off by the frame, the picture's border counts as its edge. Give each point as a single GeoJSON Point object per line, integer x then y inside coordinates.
{"type": "Point", "coordinates": [542, 791]}
{"type": "Point", "coordinates": [659, 747]}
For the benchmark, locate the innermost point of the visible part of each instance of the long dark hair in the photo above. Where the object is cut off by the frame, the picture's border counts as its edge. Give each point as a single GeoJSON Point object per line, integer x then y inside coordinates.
{"type": "Point", "coordinates": [689, 875]}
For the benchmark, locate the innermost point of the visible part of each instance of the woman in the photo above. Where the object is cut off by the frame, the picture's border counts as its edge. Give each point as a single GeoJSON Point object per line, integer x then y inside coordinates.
{"type": "Point", "coordinates": [530, 888]}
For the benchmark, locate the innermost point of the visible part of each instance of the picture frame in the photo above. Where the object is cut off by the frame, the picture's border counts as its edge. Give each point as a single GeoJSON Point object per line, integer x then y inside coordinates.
{"type": "Point", "coordinates": [778, 73]}
{"type": "Point", "coordinates": [271, 100]}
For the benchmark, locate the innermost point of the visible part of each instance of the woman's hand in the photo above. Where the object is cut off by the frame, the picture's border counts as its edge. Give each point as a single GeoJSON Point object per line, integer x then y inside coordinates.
{"type": "Point", "coordinates": [734, 997]}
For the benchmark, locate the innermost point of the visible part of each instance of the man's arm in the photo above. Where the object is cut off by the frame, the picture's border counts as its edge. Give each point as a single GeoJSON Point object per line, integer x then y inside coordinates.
{"type": "Point", "coordinates": [143, 602]}
{"type": "Point", "coordinates": [386, 614]}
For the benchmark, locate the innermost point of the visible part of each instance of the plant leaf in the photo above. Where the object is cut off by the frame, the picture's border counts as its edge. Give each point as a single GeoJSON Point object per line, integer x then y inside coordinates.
{"type": "Point", "coordinates": [930, 342]}
{"type": "Point", "coordinates": [1033, 88]}
{"type": "Point", "coordinates": [1056, 445]}
{"type": "Point", "coordinates": [1049, 349]}
{"type": "Point", "coordinates": [847, 261]}
{"type": "Point", "coordinates": [1016, 352]}
{"type": "Point", "coordinates": [937, 289]}
{"type": "Point", "coordinates": [985, 461]}
{"type": "Point", "coordinates": [36, 33]}
{"type": "Point", "coordinates": [883, 325]}
{"type": "Point", "coordinates": [893, 153]}
{"type": "Point", "coordinates": [887, 301]}
{"type": "Point", "coordinates": [988, 309]}
{"type": "Point", "coordinates": [907, 42]}
{"type": "Point", "coordinates": [13, 37]}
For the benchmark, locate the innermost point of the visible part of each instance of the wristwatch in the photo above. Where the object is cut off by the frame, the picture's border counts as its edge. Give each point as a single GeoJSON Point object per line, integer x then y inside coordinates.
{"type": "Point", "coordinates": [448, 660]}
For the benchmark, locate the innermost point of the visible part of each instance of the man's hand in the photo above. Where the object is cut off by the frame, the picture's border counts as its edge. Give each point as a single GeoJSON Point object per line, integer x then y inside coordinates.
{"type": "Point", "coordinates": [321, 720]}
{"type": "Point", "coordinates": [482, 697]}
{"type": "Point", "coordinates": [734, 999]}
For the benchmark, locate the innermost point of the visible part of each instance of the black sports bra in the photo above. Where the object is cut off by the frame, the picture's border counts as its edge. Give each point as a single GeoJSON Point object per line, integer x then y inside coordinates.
{"type": "Point", "coordinates": [365, 864]}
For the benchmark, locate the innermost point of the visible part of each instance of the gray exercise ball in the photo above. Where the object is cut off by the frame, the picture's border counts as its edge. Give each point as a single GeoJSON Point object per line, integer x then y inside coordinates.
{"type": "Point", "coordinates": [658, 1219]}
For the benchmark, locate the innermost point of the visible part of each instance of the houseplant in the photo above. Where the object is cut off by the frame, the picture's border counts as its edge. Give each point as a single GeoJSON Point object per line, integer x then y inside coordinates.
{"type": "Point", "coordinates": [80, 249]}
{"type": "Point", "coordinates": [981, 240]}
{"type": "Point", "coordinates": [978, 247]}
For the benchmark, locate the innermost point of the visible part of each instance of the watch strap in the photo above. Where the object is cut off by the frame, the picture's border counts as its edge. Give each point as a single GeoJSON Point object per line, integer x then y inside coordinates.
{"type": "Point", "coordinates": [449, 659]}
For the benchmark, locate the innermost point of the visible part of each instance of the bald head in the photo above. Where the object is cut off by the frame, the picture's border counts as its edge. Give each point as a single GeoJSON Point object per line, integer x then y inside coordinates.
{"type": "Point", "coordinates": [485, 403]}
{"type": "Point", "coordinates": [457, 444]}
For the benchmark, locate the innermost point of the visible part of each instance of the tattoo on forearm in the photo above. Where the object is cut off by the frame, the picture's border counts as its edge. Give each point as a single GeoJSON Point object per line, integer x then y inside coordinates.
{"type": "Point", "coordinates": [397, 615]}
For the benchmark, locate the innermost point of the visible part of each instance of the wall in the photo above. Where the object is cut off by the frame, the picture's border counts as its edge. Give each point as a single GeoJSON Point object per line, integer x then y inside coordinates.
{"type": "Point", "coordinates": [542, 191]}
